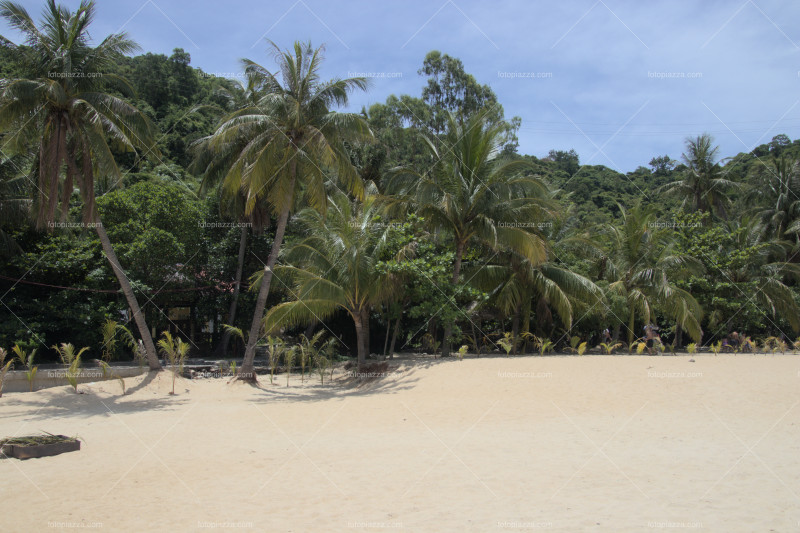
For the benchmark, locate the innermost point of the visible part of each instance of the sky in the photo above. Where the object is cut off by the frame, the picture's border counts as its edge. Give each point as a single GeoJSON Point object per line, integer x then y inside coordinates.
{"type": "Point", "coordinates": [618, 81]}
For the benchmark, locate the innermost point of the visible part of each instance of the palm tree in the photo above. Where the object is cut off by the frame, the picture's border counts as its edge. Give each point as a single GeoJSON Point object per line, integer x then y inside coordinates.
{"type": "Point", "coordinates": [762, 277]}
{"type": "Point", "coordinates": [703, 184]}
{"type": "Point", "coordinates": [472, 194]}
{"type": "Point", "coordinates": [517, 283]}
{"type": "Point", "coordinates": [778, 193]}
{"type": "Point", "coordinates": [274, 152]}
{"type": "Point", "coordinates": [212, 169]}
{"type": "Point", "coordinates": [641, 265]}
{"type": "Point", "coordinates": [63, 111]}
{"type": "Point", "coordinates": [335, 268]}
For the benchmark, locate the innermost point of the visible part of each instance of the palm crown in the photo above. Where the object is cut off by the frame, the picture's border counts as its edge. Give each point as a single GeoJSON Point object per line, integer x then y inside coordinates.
{"type": "Point", "coordinates": [63, 107]}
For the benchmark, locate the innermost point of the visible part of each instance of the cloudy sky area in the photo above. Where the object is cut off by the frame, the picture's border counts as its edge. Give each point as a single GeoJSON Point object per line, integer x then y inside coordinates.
{"type": "Point", "coordinates": [598, 66]}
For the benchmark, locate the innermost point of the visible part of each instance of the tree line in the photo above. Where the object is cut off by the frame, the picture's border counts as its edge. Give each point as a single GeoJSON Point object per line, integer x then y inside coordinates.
{"type": "Point", "coordinates": [141, 189]}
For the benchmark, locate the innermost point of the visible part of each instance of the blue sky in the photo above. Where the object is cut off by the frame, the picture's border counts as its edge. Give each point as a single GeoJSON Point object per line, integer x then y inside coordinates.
{"type": "Point", "coordinates": [618, 81]}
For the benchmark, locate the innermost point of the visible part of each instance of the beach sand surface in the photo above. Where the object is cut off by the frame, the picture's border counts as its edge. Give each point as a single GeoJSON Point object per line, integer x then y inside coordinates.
{"type": "Point", "coordinates": [592, 443]}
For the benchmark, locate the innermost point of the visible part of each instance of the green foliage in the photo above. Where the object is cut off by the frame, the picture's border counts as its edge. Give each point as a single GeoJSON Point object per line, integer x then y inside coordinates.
{"type": "Point", "coordinates": [288, 359]}
{"type": "Point", "coordinates": [5, 366]}
{"type": "Point", "coordinates": [506, 342]}
{"type": "Point", "coordinates": [275, 348]}
{"type": "Point", "coordinates": [323, 358]}
{"type": "Point", "coordinates": [72, 360]}
{"type": "Point", "coordinates": [26, 360]}
{"type": "Point", "coordinates": [462, 352]}
{"type": "Point", "coordinates": [608, 348]}
{"type": "Point", "coordinates": [582, 348]}
{"type": "Point", "coordinates": [109, 372]}
{"type": "Point", "coordinates": [175, 350]}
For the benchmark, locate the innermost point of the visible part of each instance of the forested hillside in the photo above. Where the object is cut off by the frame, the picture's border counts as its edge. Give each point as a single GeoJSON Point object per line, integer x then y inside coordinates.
{"type": "Point", "coordinates": [425, 226]}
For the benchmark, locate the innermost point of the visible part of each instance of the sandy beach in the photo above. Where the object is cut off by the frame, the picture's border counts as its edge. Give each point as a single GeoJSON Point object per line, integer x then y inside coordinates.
{"type": "Point", "coordinates": [593, 443]}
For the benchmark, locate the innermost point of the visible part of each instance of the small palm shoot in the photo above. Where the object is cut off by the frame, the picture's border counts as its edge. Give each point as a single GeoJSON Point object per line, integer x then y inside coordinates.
{"type": "Point", "coordinates": [608, 348]}
{"type": "Point", "coordinates": [574, 341]}
{"type": "Point", "coordinates": [691, 348]}
{"type": "Point", "coordinates": [432, 343]}
{"type": "Point", "coordinates": [323, 357]}
{"type": "Point", "coordinates": [640, 346]}
{"type": "Point", "coordinates": [108, 372]}
{"type": "Point", "coordinates": [4, 368]}
{"type": "Point", "coordinates": [136, 346]}
{"type": "Point", "coordinates": [27, 361]}
{"type": "Point", "coordinates": [109, 331]}
{"type": "Point", "coordinates": [275, 347]}
{"type": "Point", "coordinates": [288, 357]}
{"type": "Point", "coordinates": [582, 348]}
{"type": "Point", "coordinates": [175, 350]}
{"type": "Point", "coordinates": [462, 352]}
{"type": "Point", "coordinates": [716, 347]}
{"type": "Point", "coordinates": [72, 360]}
{"type": "Point", "coordinates": [507, 343]}
{"type": "Point", "coordinates": [545, 346]}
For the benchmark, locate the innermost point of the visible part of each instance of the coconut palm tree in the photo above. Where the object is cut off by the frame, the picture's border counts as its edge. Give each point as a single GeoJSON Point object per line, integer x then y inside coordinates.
{"type": "Point", "coordinates": [777, 192]}
{"type": "Point", "coordinates": [518, 284]}
{"type": "Point", "coordinates": [471, 194]}
{"type": "Point", "coordinates": [334, 268]}
{"type": "Point", "coordinates": [641, 266]}
{"type": "Point", "coordinates": [703, 185]}
{"type": "Point", "coordinates": [213, 169]}
{"type": "Point", "coordinates": [278, 150]}
{"type": "Point", "coordinates": [63, 111]}
{"type": "Point", "coordinates": [762, 277]}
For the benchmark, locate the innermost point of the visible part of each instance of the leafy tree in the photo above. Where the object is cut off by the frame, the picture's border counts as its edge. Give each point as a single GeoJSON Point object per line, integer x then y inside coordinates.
{"type": "Point", "coordinates": [61, 109]}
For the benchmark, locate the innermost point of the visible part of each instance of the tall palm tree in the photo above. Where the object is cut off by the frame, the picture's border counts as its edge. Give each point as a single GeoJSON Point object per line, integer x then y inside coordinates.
{"type": "Point", "coordinates": [334, 268]}
{"type": "Point", "coordinates": [207, 163]}
{"type": "Point", "coordinates": [470, 193]}
{"type": "Point", "coordinates": [277, 151]}
{"type": "Point", "coordinates": [62, 109]}
{"type": "Point", "coordinates": [641, 265]}
{"type": "Point", "coordinates": [703, 185]}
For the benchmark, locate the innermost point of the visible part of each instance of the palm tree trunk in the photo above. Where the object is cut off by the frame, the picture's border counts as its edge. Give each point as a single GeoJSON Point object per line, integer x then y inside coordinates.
{"type": "Point", "coordinates": [127, 290]}
{"type": "Point", "coordinates": [515, 327]}
{"type": "Point", "coordinates": [222, 347]}
{"type": "Point", "coordinates": [394, 335]}
{"type": "Point", "coordinates": [526, 323]}
{"type": "Point", "coordinates": [448, 329]}
{"type": "Point", "coordinates": [358, 319]}
{"type": "Point", "coordinates": [388, 331]}
{"type": "Point", "coordinates": [631, 322]}
{"type": "Point", "coordinates": [247, 370]}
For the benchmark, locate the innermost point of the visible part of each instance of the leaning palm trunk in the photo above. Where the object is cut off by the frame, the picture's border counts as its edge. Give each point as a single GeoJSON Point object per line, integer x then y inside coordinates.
{"type": "Point", "coordinates": [127, 290]}
{"type": "Point", "coordinates": [222, 348]}
{"type": "Point", "coordinates": [247, 370]}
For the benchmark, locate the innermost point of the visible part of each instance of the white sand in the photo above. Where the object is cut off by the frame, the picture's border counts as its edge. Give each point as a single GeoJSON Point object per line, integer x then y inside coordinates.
{"type": "Point", "coordinates": [556, 444]}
